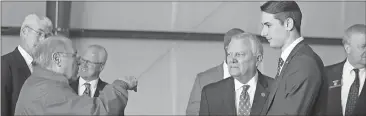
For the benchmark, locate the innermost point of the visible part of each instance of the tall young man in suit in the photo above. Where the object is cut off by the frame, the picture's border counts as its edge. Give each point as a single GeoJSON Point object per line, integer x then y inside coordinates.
{"type": "Point", "coordinates": [16, 66]}
{"type": "Point", "coordinates": [347, 90]}
{"type": "Point", "coordinates": [92, 63]}
{"type": "Point", "coordinates": [246, 91]}
{"type": "Point", "coordinates": [209, 76]}
{"type": "Point", "coordinates": [299, 79]}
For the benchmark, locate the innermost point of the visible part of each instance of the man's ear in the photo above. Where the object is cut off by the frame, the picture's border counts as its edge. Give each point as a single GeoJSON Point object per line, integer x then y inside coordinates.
{"type": "Point", "coordinates": [347, 48]}
{"type": "Point", "coordinates": [259, 59]}
{"type": "Point", "coordinates": [289, 24]}
{"type": "Point", "coordinates": [57, 59]}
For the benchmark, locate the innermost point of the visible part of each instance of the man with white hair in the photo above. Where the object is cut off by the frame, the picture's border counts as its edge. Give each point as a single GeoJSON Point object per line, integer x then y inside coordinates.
{"type": "Point", "coordinates": [47, 90]}
{"type": "Point", "coordinates": [347, 90]}
{"type": "Point", "coordinates": [245, 92]}
{"type": "Point", "coordinates": [16, 66]}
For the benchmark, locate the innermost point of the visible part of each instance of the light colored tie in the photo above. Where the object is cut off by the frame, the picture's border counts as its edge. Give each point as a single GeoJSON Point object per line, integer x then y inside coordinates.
{"type": "Point", "coordinates": [87, 89]}
{"type": "Point", "coordinates": [244, 104]}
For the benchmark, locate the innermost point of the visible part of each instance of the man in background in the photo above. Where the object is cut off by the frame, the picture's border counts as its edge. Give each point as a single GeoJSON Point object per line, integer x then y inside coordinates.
{"type": "Point", "coordinates": [16, 66]}
{"type": "Point", "coordinates": [209, 76]}
{"type": "Point", "coordinates": [92, 63]}
{"type": "Point", "coordinates": [246, 91]}
{"type": "Point", "coordinates": [300, 78]}
{"type": "Point", "coordinates": [347, 90]}
{"type": "Point", "coordinates": [47, 90]}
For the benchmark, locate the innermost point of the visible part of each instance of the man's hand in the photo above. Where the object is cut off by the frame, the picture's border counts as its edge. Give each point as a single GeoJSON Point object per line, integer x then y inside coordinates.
{"type": "Point", "coordinates": [131, 82]}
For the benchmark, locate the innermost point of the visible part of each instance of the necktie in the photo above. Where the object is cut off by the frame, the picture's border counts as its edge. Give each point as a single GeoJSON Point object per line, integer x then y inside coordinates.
{"type": "Point", "coordinates": [244, 104]}
{"type": "Point", "coordinates": [280, 63]}
{"type": "Point", "coordinates": [87, 89]}
{"type": "Point", "coordinates": [353, 94]}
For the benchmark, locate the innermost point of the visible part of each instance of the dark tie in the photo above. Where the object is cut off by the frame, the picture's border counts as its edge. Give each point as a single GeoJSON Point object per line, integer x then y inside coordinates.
{"type": "Point", "coordinates": [87, 90]}
{"type": "Point", "coordinates": [244, 103]}
{"type": "Point", "coordinates": [280, 63]}
{"type": "Point", "coordinates": [353, 94]}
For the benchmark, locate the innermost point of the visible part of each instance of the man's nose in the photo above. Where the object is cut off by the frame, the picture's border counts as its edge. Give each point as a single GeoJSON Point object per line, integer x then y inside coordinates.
{"type": "Point", "coordinates": [233, 60]}
{"type": "Point", "coordinates": [264, 32]}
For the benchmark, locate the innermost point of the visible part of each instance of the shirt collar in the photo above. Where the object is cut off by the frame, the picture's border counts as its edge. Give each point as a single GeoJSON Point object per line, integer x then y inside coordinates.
{"type": "Point", "coordinates": [28, 58]}
{"type": "Point", "coordinates": [288, 50]}
{"type": "Point", "coordinates": [226, 70]}
{"type": "Point", "coordinates": [252, 82]}
{"type": "Point", "coordinates": [93, 83]}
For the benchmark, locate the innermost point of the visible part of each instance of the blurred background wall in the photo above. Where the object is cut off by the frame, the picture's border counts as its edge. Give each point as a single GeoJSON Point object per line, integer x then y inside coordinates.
{"type": "Point", "coordinates": [165, 87]}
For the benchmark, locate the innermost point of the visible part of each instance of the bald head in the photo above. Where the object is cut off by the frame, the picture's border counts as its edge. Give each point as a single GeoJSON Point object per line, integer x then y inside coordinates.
{"type": "Point", "coordinates": [96, 53]}
{"type": "Point", "coordinates": [92, 60]}
{"type": "Point", "coordinates": [353, 31]}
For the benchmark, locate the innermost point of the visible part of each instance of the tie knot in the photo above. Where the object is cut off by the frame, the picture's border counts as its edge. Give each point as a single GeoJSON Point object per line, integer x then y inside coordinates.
{"type": "Point", "coordinates": [87, 85]}
{"type": "Point", "coordinates": [356, 70]}
{"type": "Point", "coordinates": [246, 87]}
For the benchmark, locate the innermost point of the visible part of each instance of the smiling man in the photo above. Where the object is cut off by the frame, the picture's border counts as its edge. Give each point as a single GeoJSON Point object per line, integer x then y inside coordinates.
{"type": "Point", "coordinates": [299, 79]}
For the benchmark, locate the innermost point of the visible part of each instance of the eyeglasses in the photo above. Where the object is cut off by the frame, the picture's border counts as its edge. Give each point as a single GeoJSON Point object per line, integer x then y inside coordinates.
{"type": "Point", "coordinates": [73, 55]}
{"type": "Point", "coordinates": [40, 33]}
{"type": "Point", "coordinates": [90, 62]}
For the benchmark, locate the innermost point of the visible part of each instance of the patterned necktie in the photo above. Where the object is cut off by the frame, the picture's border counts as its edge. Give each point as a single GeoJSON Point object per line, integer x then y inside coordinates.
{"type": "Point", "coordinates": [280, 63]}
{"type": "Point", "coordinates": [244, 104]}
{"type": "Point", "coordinates": [87, 89]}
{"type": "Point", "coordinates": [353, 94]}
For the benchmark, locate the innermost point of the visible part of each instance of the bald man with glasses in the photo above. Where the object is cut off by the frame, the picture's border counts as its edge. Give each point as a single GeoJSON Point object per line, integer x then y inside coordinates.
{"type": "Point", "coordinates": [92, 63]}
{"type": "Point", "coordinates": [16, 66]}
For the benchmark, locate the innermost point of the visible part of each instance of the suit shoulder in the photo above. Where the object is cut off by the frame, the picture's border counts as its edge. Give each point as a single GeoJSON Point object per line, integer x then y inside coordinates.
{"type": "Point", "coordinates": [210, 70]}
{"type": "Point", "coordinates": [217, 84]}
{"type": "Point", "coordinates": [269, 79]}
{"type": "Point", "coordinates": [333, 66]}
{"type": "Point", "coordinates": [7, 56]}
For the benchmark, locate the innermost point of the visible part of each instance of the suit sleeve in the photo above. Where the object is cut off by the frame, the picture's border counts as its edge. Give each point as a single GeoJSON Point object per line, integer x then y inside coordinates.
{"type": "Point", "coordinates": [111, 101]}
{"type": "Point", "coordinates": [305, 82]}
{"type": "Point", "coordinates": [204, 110]}
{"type": "Point", "coordinates": [193, 106]}
{"type": "Point", "coordinates": [6, 88]}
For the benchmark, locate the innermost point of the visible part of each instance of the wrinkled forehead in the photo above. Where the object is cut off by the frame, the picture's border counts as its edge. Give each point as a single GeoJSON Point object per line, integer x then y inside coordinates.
{"type": "Point", "coordinates": [38, 23]}
{"type": "Point", "coordinates": [94, 55]}
{"type": "Point", "coordinates": [239, 45]}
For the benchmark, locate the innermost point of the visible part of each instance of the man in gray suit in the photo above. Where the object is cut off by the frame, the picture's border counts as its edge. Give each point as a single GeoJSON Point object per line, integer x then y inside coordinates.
{"type": "Point", "coordinates": [299, 79]}
{"type": "Point", "coordinates": [209, 76]}
{"type": "Point", "coordinates": [47, 90]}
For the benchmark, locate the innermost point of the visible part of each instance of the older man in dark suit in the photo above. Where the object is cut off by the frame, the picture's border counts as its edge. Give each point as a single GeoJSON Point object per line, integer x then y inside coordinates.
{"type": "Point", "coordinates": [300, 79]}
{"type": "Point", "coordinates": [209, 76]}
{"type": "Point", "coordinates": [246, 92]}
{"type": "Point", "coordinates": [347, 90]}
{"type": "Point", "coordinates": [16, 66]}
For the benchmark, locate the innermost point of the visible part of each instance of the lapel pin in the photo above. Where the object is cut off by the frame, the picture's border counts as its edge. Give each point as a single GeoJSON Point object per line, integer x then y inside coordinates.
{"type": "Point", "coordinates": [335, 84]}
{"type": "Point", "coordinates": [263, 94]}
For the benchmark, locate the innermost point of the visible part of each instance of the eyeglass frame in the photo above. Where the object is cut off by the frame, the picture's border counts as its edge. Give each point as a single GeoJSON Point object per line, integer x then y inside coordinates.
{"type": "Point", "coordinates": [40, 33]}
{"type": "Point", "coordinates": [82, 60]}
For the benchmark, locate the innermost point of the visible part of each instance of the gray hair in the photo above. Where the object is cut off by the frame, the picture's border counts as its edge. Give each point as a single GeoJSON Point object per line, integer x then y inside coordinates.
{"type": "Point", "coordinates": [256, 45]}
{"type": "Point", "coordinates": [354, 29]}
{"type": "Point", "coordinates": [35, 21]}
{"type": "Point", "coordinates": [44, 51]}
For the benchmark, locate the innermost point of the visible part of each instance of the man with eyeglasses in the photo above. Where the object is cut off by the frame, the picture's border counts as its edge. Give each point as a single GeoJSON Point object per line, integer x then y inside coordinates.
{"type": "Point", "coordinates": [92, 63]}
{"type": "Point", "coordinates": [16, 66]}
{"type": "Point", "coordinates": [47, 90]}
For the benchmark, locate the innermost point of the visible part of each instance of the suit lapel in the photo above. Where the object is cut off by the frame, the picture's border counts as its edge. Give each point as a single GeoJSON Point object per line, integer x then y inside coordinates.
{"type": "Point", "coordinates": [75, 86]}
{"type": "Point", "coordinates": [279, 78]}
{"type": "Point", "coordinates": [335, 104]}
{"type": "Point", "coordinates": [21, 64]}
{"type": "Point", "coordinates": [101, 84]}
{"type": "Point", "coordinates": [229, 96]}
{"type": "Point", "coordinates": [261, 95]}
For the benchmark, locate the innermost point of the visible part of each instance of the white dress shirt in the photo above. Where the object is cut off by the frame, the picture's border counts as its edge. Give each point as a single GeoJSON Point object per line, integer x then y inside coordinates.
{"type": "Point", "coordinates": [348, 77]}
{"type": "Point", "coordinates": [93, 86]}
{"type": "Point", "coordinates": [285, 53]}
{"type": "Point", "coordinates": [239, 88]}
{"type": "Point", "coordinates": [28, 59]}
{"type": "Point", "coordinates": [226, 70]}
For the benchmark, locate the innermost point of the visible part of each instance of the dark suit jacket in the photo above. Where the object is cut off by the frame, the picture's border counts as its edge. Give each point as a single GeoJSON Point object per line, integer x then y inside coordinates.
{"type": "Point", "coordinates": [14, 72]}
{"type": "Point", "coordinates": [49, 93]}
{"type": "Point", "coordinates": [204, 78]}
{"type": "Point", "coordinates": [298, 87]}
{"type": "Point", "coordinates": [101, 84]}
{"type": "Point", "coordinates": [334, 73]}
{"type": "Point", "coordinates": [219, 98]}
